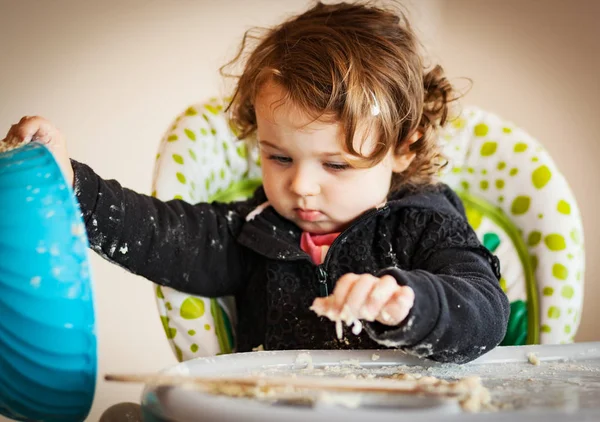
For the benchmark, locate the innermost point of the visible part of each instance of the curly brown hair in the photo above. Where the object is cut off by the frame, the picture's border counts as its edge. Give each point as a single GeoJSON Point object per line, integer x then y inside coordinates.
{"type": "Point", "coordinates": [338, 61]}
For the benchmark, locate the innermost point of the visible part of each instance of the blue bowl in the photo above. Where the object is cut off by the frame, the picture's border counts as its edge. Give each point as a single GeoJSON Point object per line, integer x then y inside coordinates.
{"type": "Point", "coordinates": [47, 323]}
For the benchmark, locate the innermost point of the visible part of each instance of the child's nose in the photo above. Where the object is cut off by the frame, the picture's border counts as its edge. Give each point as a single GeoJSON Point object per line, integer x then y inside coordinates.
{"type": "Point", "coordinates": [304, 182]}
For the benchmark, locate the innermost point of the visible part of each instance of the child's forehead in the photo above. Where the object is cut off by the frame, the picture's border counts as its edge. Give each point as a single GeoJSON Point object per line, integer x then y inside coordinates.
{"type": "Point", "coordinates": [278, 114]}
{"type": "Point", "coordinates": [273, 105]}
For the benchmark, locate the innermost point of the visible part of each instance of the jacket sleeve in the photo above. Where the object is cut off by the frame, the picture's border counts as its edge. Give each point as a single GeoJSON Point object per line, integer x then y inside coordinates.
{"type": "Point", "coordinates": [175, 244]}
{"type": "Point", "coordinates": [460, 312]}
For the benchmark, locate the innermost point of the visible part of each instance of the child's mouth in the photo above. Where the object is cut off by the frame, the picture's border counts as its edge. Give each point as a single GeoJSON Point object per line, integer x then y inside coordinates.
{"type": "Point", "coordinates": [308, 215]}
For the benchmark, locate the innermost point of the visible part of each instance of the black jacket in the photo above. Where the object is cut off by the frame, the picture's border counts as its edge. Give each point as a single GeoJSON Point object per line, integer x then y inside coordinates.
{"type": "Point", "coordinates": [421, 237]}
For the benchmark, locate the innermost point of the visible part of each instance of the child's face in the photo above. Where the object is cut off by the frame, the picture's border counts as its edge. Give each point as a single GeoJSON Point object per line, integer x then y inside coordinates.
{"type": "Point", "coordinates": [306, 175]}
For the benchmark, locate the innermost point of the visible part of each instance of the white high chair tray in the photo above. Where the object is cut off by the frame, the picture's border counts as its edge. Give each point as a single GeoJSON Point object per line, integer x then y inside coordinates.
{"type": "Point", "coordinates": [565, 386]}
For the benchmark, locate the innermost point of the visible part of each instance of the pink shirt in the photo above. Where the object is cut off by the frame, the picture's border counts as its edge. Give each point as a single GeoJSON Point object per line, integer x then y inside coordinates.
{"type": "Point", "coordinates": [317, 245]}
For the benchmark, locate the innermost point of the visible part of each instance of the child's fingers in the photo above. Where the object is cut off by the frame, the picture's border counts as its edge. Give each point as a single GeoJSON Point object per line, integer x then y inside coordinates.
{"type": "Point", "coordinates": [321, 305]}
{"type": "Point", "coordinates": [398, 307]}
{"type": "Point", "coordinates": [29, 129]}
{"type": "Point", "coordinates": [359, 293]}
{"type": "Point", "coordinates": [341, 290]}
{"type": "Point", "coordinates": [19, 134]}
{"type": "Point", "coordinates": [11, 134]}
{"type": "Point", "coordinates": [379, 296]}
{"type": "Point", "coordinates": [24, 130]}
{"type": "Point", "coordinates": [33, 128]}
{"type": "Point", "coordinates": [407, 295]}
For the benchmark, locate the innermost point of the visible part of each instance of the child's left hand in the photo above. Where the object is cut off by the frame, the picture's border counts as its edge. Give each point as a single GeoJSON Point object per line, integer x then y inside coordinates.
{"type": "Point", "coordinates": [369, 298]}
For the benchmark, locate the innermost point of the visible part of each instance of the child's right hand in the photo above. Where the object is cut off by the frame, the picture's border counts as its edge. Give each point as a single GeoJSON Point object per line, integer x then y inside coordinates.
{"type": "Point", "coordinates": [40, 130]}
{"type": "Point", "coordinates": [368, 297]}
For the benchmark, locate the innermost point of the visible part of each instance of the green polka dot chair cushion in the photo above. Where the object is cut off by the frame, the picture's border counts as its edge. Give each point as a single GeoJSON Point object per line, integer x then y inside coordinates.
{"type": "Point", "coordinates": [201, 160]}
{"type": "Point", "coordinates": [523, 210]}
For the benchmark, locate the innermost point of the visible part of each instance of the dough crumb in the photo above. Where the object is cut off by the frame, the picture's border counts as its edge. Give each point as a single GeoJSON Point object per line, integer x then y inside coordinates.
{"type": "Point", "coordinates": [345, 316]}
{"type": "Point", "coordinates": [533, 359]}
{"type": "Point", "coordinates": [374, 357]}
{"type": "Point", "coordinates": [305, 358]}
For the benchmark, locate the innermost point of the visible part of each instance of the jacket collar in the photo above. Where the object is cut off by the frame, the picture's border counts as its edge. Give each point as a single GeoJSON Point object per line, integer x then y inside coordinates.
{"type": "Point", "coordinates": [269, 234]}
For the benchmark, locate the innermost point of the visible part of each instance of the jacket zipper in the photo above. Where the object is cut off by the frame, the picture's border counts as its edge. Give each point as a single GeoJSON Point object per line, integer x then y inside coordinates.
{"type": "Point", "coordinates": [322, 269]}
{"type": "Point", "coordinates": [322, 276]}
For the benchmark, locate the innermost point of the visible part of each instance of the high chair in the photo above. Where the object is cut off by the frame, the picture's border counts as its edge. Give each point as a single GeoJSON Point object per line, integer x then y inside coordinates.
{"type": "Point", "coordinates": [517, 201]}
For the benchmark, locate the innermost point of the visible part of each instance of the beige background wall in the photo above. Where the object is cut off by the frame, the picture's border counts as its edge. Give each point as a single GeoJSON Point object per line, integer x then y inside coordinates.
{"type": "Point", "coordinates": [112, 75]}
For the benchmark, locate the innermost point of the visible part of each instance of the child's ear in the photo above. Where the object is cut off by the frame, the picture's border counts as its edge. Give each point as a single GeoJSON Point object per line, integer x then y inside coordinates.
{"type": "Point", "coordinates": [403, 158]}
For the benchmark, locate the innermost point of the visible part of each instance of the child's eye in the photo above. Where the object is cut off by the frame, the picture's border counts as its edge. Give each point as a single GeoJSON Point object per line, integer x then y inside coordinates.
{"type": "Point", "coordinates": [337, 166]}
{"type": "Point", "coordinates": [282, 159]}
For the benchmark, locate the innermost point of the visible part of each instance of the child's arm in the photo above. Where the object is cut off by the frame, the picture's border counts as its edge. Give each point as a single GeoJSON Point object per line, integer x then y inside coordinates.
{"type": "Point", "coordinates": [187, 247]}
{"type": "Point", "coordinates": [459, 311]}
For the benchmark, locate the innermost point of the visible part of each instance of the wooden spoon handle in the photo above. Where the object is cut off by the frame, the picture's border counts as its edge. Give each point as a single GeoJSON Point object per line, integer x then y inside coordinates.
{"type": "Point", "coordinates": [304, 382]}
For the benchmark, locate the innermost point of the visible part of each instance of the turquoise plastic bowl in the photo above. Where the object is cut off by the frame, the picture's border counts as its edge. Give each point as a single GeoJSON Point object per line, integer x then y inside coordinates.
{"type": "Point", "coordinates": [47, 324]}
